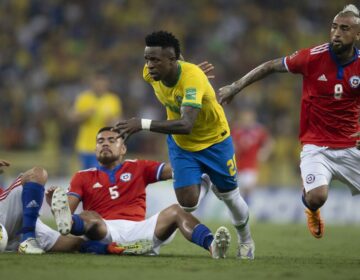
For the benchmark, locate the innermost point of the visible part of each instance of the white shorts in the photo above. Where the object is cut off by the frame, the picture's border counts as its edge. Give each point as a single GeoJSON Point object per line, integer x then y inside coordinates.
{"type": "Point", "coordinates": [319, 165]}
{"type": "Point", "coordinates": [11, 216]}
{"type": "Point", "coordinates": [247, 178]}
{"type": "Point", "coordinates": [124, 231]}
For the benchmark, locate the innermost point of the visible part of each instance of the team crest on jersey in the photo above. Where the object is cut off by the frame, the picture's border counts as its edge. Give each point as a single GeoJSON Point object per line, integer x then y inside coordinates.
{"type": "Point", "coordinates": [354, 81]}
{"type": "Point", "coordinates": [125, 177]}
{"type": "Point", "coordinates": [310, 178]}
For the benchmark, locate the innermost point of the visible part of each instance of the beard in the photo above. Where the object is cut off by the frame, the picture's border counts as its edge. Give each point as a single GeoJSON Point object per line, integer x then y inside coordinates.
{"type": "Point", "coordinates": [340, 49]}
{"type": "Point", "coordinates": [107, 158]}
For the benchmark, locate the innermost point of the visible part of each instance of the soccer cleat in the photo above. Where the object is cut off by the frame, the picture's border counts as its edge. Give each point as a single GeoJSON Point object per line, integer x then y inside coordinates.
{"type": "Point", "coordinates": [61, 210]}
{"type": "Point", "coordinates": [315, 223]}
{"type": "Point", "coordinates": [139, 247]}
{"type": "Point", "coordinates": [220, 244]}
{"type": "Point", "coordinates": [30, 246]}
{"type": "Point", "coordinates": [246, 251]}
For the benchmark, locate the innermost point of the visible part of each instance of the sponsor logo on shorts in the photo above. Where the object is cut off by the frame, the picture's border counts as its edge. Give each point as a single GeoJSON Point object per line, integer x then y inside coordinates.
{"type": "Point", "coordinates": [354, 81]}
{"type": "Point", "coordinates": [310, 178]}
{"type": "Point", "coordinates": [125, 177]}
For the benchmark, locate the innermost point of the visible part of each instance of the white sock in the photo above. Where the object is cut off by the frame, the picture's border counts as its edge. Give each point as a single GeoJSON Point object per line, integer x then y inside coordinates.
{"type": "Point", "coordinates": [239, 212]}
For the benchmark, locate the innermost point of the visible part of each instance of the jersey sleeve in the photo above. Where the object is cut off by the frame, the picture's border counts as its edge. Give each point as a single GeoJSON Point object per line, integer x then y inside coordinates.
{"type": "Point", "coordinates": [297, 62]}
{"type": "Point", "coordinates": [76, 186]}
{"type": "Point", "coordinates": [152, 170]}
{"type": "Point", "coordinates": [194, 86]}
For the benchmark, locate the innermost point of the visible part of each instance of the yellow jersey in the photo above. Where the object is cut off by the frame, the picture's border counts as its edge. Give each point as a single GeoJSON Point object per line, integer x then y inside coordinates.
{"type": "Point", "coordinates": [106, 108]}
{"type": "Point", "coordinates": [192, 89]}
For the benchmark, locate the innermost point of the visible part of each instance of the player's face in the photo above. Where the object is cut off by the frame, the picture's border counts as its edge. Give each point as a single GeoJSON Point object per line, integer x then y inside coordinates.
{"type": "Point", "coordinates": [109, 147]}
{"type": "Point", "coordinates": [344, 33]}
{"type": "Point", "coordinates": [160, 62]}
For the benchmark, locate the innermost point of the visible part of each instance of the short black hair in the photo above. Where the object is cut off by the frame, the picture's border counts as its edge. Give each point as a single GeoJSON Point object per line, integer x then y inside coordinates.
{"type": "Point", "coordinates": [163, 39]}
{"type": "Point", "coordinates": [108, 128]}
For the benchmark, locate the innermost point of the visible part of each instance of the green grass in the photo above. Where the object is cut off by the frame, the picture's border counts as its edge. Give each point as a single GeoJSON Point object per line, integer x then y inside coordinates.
{"type": "Point", "coordinates": [282, 252]}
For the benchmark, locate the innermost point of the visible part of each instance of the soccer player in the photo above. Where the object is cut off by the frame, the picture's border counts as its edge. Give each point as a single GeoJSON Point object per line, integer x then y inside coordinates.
{"type": "Point", "coordinates": [94, 109]}
{"type": "Point", "coordinates": [20, 204]}
{"type": "Point", "coordinates": [329, 111]}
{"type": "Point", "coordinates": [199, 138]}
{"type": "Point", "coordinates": [252, 144]}
{"type": "Point", "coordinates": [114, 201]}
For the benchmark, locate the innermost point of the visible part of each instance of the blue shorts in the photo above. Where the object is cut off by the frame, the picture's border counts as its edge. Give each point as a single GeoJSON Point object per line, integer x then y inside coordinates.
{"type": "Point", "coordinates": [218, 161]}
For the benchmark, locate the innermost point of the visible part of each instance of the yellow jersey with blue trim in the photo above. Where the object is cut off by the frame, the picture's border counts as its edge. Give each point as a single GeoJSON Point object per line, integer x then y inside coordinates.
{"type": "Point", "coordinates": [106, 108]}
{"type": "Point", "coordinates": [192, 89]}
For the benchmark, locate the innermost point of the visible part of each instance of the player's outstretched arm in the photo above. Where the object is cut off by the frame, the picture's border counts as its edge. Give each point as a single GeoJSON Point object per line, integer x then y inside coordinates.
{"type": "Point", "coordinates": [183, 125]}
{"type": "Point", "coordinates": [227, 93]}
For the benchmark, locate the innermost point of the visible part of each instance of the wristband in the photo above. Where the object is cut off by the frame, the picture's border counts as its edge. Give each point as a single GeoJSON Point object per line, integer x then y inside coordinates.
{"type": "Point", "coordinates": [145, 124]}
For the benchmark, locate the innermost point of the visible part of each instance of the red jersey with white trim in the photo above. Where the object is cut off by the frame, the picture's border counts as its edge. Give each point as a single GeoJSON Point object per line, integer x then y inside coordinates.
{"type": "Point", "coordinates": [247, 143]}
{"type": "Point", "coordinates": [118, 193]}
{"type": "Point", "coordinates": [330, 104]}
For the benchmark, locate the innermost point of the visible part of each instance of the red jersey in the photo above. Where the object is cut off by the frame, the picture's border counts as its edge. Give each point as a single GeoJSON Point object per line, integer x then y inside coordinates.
{"type": "Point", "coordinates": [247, 143]}
{"type": "Point", "coordinates": [118, 193]}
{"type": "Point", "coordinates": [330, 102]}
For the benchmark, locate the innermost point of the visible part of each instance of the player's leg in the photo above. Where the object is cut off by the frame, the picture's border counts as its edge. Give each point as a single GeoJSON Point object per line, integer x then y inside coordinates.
{"type": "Point", "coordinates": [33, 182]}
{"type": "Point", "coordinates": [190, 184]}
{"type": "Point", "coordinates": [316, 176]}
{"type": "Point", "coordinates": [247, 180]}
{"type": "Point", "coordinates": [174, 217]}
{"type": "Point", "coordinates": [219, 162]}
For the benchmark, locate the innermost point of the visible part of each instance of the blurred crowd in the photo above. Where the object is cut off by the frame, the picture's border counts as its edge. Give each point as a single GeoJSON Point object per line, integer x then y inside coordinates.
{"type": "Point", "coordinates": [48, 49]}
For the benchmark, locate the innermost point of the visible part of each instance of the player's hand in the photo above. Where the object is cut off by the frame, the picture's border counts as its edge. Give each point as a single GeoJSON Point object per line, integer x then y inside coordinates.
{"type": "Point", "coordinates": [356, 135]}
{"type": "Point", "coordinates": [3, 163]}
{"type": "Point", "coordinates": [226, 94]}
{"type": "Point", "coordinates": [207, 68]}
{"type": "Point", "coordinates": [49, 193]}
{"type": "Point", "coordinates": [128, 127]}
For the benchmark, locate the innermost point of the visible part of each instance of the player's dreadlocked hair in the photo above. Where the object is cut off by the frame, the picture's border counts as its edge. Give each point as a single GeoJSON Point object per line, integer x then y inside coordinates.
{"type": "Point", "coordinates": [163, 39]}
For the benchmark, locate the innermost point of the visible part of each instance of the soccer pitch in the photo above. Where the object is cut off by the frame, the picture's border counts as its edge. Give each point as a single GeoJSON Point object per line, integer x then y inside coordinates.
{"type": "Point", "coordinates": [282, 252]}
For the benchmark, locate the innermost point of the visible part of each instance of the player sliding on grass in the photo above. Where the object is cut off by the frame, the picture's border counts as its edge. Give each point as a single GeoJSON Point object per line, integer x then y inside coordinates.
{"type": "Point", "coordinates": [114, 201]}
{"type": "Point", "coordinates": [329, 111]}
{"type": "Point", "coordinates": [199, 138]}
{"type": "Point", "coordinates": [20, 204]}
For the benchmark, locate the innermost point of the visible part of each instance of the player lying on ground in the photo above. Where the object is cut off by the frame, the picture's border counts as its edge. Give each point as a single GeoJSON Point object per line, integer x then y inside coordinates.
{"type": "Point", "coordinates": [20, 204]}
{"type": "Point", "coordinates": [114, 201]}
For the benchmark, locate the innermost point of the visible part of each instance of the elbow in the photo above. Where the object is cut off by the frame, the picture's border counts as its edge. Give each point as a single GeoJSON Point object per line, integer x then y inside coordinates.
{"type": "Point", "coordinates": [186, 128]}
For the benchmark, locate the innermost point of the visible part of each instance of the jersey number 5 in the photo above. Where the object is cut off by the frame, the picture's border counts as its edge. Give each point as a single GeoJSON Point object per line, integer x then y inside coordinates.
{"type": "Point", "coordinates": [114, 194]}
{"type": "Point", "coordinates": [338, 91]}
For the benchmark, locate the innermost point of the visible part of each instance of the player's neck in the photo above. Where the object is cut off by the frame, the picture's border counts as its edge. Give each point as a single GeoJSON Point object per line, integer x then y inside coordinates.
{"type": "Point", "coordinates": [173, 77]}
{"type": "Point", "coordinates": [346, 56]}
{"type": "Point", "coordinates": [111, 166]}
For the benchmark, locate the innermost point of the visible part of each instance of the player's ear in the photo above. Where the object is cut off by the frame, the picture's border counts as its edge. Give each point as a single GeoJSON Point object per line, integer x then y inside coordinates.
{"type": "Point", "coordinates": [123, 149]}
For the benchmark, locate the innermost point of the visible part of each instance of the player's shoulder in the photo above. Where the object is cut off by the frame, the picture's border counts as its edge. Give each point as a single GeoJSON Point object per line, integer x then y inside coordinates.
{"type": "Point", "coordinates": [319, 49]}
{"type": "Point", "coordinates": [188, 68]}
{"type": "Point", "coordinates": [85, 172]}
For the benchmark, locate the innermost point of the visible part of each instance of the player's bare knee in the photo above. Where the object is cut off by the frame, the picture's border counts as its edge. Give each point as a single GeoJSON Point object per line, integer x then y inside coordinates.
{"type": "Point", "coordinates": [36, 174]}
{"type": "Point", "coordinates": [317, 197]}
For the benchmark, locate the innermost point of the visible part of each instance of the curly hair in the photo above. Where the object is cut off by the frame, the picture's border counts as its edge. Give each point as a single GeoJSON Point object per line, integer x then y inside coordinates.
{"type": "Point", "coordinates": [163, 39]}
